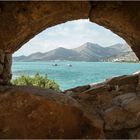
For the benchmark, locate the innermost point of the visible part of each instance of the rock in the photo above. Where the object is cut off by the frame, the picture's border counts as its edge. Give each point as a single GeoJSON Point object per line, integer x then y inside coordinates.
{"type": "Point", "coordinates": [128, 88]}
{"type": "Point", "coordinates": [29, 112]}
{"type": "Point", "coordinates": [129, 102]}
{"type": "Point", "coordinates": [6, 77]}
{"type": "Point", "coordinates": [138, 134]}
{"type": "Point", "coordinates": [77, 89]}
{"type": "Point", "coordinates": [2, 56]}
{"type": "Point", "coordinates": [5, 69]}
{"type": "Point", "coordinates": [117, 107]}
{"type": "Point", "coordinates": [97, 112]}
{"type": "Point", "coordinates": [27, 20]}
{"type": "Point", "coordinates": [114, 118]}
{"type": "Point", "coordinates": [118, 17]}
{"type": "Point", "coordinates": [8, 63]}
{"type": "Point", "coordinates": [121, 100]}
{"type": "Point", "coordinates": [123, 80]}
{"type": "Point", "coordinates": [117, 118]}
{"type": "Point", "coordinates": [1, 69]}
{"type": "Point", "coordinates": [108, 110]}
{"type": "Point", "coordinates": [134, 133]}
{"type": "Point", "coordinates": [133, 106]}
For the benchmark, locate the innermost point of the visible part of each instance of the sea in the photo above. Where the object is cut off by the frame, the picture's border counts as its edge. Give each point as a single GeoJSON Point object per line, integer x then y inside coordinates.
{"type": "Point", "coordinates": [69, 74]}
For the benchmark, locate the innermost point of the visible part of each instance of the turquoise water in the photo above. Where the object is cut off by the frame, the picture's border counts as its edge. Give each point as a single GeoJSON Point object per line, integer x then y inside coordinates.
{"type": "Point", "coordinates": [81, 73]}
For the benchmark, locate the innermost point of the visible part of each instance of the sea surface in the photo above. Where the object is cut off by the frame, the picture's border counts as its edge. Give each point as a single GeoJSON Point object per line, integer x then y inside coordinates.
{"type": "Point", "coordinates": [81, 73]}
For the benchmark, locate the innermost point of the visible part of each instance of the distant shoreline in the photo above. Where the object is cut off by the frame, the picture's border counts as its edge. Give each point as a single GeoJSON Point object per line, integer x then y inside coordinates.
{"type": "Point", "coordinates": [89, 52]}
{"type": "Point", "coordinates": [82, 61]}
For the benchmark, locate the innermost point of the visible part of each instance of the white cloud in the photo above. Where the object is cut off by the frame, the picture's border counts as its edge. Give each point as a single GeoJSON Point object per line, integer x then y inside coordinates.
{"type": "Point", "coordinates": [69, 35]}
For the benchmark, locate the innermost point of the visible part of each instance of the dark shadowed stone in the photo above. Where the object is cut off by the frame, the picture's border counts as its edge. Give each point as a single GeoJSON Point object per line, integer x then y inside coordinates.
{"type": "Point", "coordinates": [29, 112]}
{"type": "Point", "coordinates": [77, 89]}
{"type": "Point", "coordinates": [1, 69]}
{"type": "Point", "coordinates": [2, 56]}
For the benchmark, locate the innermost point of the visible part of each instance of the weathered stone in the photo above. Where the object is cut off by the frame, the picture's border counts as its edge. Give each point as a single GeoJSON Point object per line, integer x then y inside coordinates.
{"type": "Point", "coordinates": [1, 68]}
{"type": "Point", "coordinates": [133, 106]}
{"type": "Point", "coordinates": [138, 134]}
{"type": "Point", "coordinates": [5, 69]}
{"type": "Point", "coordinates": [108, 108]}
{"type": "Point", "coordinates": [117, 118]}
{"type": "Point", "coordinates": [115, 106]}
{"type": "Point", "coordinates": [108, 113]}
{"type": "Point", "coordinates": [2, 56]}
{"type": "Point", "coordinates": [114, 118]}
{"type": "Point", "coordinates": [119, 17]}
{"type": "Point", "coordinates": [8, 62]}
{"type": "Point", "coordinates": [119, 134]}
{"type": "Point", "coordinates": [123, 80]}
{"type": "Point", "coordinates": [27, 112]}
{"type": "Point", "coordinates": [77, 89]}
{"type": "Point", "coordinates": [29, 18]}
{"type": "Point", "coordinates": [121, 100]}
{"type": "Point", "coordinates": [128, 88]}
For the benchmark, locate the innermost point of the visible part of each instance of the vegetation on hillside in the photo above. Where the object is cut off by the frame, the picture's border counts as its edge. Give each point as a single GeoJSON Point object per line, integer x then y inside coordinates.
{"type": "Point", "coordinates": [37, 80]}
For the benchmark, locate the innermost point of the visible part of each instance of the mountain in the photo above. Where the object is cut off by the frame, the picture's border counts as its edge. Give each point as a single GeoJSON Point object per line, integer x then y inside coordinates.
{"type": "Point", "coordinates": [91, 52]}
{"type": "Point", "coordinates": [120, 48]}
{"type": "Point", "coordinates": [19, 58]}
{"type": "Point", "coordinates": [60, 54]}
{"type": "Point", "coordinates": [124, 57]}
{"type": "Point", "coordinates": [86, 52]}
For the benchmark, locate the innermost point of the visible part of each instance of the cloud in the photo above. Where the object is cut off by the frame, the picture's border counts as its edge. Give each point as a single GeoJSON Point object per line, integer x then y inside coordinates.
{"type": "Point", "coordinates": [69, 35]}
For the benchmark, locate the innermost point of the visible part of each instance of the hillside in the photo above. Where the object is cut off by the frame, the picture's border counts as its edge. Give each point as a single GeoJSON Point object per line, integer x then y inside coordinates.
{"type": "Point", "coordinates": [86, 52]}
{"type": "Point", "coordinates": [124, 57]}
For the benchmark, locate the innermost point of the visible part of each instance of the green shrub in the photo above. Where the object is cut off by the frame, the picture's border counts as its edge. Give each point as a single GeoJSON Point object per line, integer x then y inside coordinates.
{"type": "Point", "coordinates": [37, 80]}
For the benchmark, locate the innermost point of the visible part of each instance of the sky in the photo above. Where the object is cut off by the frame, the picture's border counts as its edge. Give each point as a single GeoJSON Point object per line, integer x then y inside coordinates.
{"type": "Point", "coordinates": [69, 35]}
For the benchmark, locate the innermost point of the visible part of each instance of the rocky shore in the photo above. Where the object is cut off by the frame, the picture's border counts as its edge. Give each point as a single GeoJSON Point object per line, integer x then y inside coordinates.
{"type": "Point", "coordinates": [115, 103]}
{"type": "Point", "coordinates": [105, 110]}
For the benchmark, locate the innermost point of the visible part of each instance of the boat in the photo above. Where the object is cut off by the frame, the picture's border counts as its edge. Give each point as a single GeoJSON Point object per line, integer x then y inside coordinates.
{"type": "Point", "coordinates": [55, 64]}
{"type": "Point", "coordinates": [69, 65]}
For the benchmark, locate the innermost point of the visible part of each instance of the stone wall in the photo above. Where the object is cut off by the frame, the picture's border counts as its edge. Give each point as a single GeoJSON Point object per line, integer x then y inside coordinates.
{"type": "Point", "coordinates": [106, 110]}
{"type": "Point", "coordinates": [5, 67]}
{"type": "Point", "coordinates": [113, 104]}
{"type": "Point", "coordinates": [36, 113]}
{"type": "Point", "coordinates": [21, 21]}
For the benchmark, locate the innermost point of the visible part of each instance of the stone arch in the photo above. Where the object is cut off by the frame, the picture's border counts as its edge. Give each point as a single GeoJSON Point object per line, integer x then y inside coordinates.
{"type": "Point", "coordinates": [21, 21]}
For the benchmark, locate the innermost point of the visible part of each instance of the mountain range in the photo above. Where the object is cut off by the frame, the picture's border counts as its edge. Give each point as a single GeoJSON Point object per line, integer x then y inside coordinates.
{"type": "Point", "coordinates": [86, 52]}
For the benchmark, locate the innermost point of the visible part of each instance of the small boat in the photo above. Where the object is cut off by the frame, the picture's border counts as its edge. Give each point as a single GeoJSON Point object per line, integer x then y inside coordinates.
{"type": "Point", "coordinates": [55, 64]}
{"type": "Point", "coordinates": [69, 65]}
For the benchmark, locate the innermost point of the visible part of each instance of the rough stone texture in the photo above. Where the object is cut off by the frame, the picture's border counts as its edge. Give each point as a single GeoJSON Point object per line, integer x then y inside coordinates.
{"type": "Point", "coordinates": [117, 108]}
{"type": "Point", "coordinates": [77, 89]}
{"type": "Point", "coordinates": [107, 110]}
{"type": "Point", "coordinates": [29, 112]}
{"type": "Point", "coordinates": [122, 17]}
{"type": "Point", "coordinates": [5, 67]}
{"type": "Point", "coordinates": [97, 111]}
{"type": "Point", "coordinates": [21, 21]}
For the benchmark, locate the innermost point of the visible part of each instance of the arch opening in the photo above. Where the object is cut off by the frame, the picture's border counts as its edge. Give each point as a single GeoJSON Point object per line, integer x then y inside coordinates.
{"type": "Point", "coordinates": [28, 19]}
{"type": "Point", "coordinates": [94, 111]}
{"type": "Point", "coordinates": [70, 44]}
